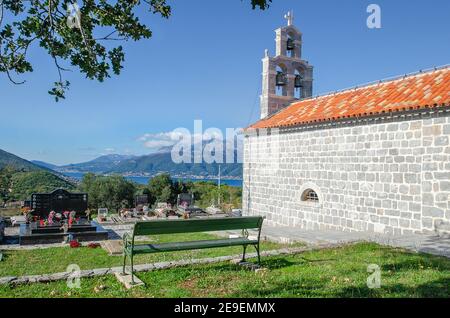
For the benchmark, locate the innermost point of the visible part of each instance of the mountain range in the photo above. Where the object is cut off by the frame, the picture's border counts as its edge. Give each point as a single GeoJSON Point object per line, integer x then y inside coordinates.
{"type": "Point", "coordinates": [147, 165]}
{"type": "Point", "coordinates": [100, 165]}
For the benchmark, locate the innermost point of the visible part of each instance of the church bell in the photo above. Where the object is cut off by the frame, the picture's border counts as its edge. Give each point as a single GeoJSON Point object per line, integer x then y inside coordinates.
{"type": "Point", "coordinates": [281, 79]}
{"type": "Point", "coordinates": [298, 81]}
{"type": "Point", "coordinates": [290, 44]}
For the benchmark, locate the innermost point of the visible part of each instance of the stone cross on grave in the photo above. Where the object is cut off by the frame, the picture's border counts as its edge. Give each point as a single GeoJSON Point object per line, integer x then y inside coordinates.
{"type": "Point", "coordinates": [289, 17]}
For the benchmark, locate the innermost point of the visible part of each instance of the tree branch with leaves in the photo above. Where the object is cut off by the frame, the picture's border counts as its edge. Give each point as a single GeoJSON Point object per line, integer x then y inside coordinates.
{"type": "Point", "coordinates": [82, 36]}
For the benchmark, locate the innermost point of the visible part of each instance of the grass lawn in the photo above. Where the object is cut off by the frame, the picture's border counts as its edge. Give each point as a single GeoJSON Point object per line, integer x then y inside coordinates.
{"type": "Point", "coordinates": [338, 272]}
{"type": "Point", "coordinates": [52, 260]}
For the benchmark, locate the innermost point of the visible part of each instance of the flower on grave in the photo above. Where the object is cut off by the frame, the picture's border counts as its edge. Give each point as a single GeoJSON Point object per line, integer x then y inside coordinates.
{"type": "Point", "coordinates": [51, 215]}
{"type": "Point", "coordinates": [93, 245]}
{"type": "Point", "coordinates": [74, 244]}
{"type": "Point", "coordinates": [26, 210]}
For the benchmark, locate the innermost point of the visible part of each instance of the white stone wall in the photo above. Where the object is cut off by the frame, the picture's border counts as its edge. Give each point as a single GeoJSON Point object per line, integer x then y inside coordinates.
{"type": "Point", "coordinates": [391, 176]}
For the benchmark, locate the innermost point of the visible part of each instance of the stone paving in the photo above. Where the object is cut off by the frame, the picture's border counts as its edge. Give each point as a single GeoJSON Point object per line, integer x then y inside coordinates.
{"type": "Point", "coordinates": [432, 244]}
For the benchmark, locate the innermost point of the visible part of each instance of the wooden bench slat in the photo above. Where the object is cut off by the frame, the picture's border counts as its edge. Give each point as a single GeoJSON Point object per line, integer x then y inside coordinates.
{"type": "Point", "coordinates": [191, 245]}
{"type": "Point", "coordinates": [195, 225]}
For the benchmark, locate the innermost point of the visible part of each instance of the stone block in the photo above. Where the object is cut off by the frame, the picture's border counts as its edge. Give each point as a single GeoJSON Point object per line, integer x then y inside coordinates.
{"type": "Point", "coordinates": [441, 141]}
{"type": "Point", "coordinates": [432, 211]}
{"type": "Point", "coordinates": [126, 280]}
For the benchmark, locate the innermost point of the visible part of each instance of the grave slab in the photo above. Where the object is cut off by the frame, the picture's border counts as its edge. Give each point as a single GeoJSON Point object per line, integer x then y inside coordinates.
{"type": "Point", "coordinates": [113, 247]}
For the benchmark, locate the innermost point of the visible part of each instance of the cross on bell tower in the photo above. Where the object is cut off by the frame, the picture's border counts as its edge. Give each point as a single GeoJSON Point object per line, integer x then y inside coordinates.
{"type": "Point", "coordinates": [289, 17]}
{"type": "Point", "coordinates": [286, 77]}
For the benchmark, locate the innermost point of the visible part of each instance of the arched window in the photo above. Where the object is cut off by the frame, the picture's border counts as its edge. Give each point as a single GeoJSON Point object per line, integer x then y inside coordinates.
{"type": "Point", "coordinates": [298, 84]}
{"type": "Point", "coordinates": [290, 46]}
{"type": "Point", "coordinates": [310, 195]}
{"type": "Point", "coordinates": [281, 81]}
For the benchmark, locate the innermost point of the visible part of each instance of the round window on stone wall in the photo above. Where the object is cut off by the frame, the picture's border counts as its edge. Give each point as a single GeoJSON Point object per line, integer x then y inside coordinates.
{"type": "Point", "coordinates": [310, 195]}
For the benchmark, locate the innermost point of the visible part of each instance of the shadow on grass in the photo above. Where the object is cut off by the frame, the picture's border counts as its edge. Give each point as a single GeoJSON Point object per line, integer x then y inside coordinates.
{"type": "Point", "coordinates": [270, 264]}
{"type": "Point", "coordinates": [278, 263]}
{"type": "Point", "coordinates": [439, 288]}
{"type": "Point", "coordinates": [419, 262]}
{"type": "Point", "coordinates": [5, 256]}
{"type": "Point", "coordinates": [291, 288]}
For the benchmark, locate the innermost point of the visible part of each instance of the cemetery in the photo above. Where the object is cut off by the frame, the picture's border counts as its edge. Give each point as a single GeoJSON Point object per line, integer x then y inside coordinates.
{"type": "Point", "coordinates": [164, 252]}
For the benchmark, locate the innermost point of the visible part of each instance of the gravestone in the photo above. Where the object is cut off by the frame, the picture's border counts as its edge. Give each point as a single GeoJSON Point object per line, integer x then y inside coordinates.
{"type": "Point", "coordinates": [185, 200]}
{"type": "Point", "coordinates": [141, 200]}
{"type": "Point", "coordinates": [141, 203]}
{"type": "Point", "coordinates": [57, 216]}
{"type": "Point", "coordinates": [185, 204]}
{"type": "Point", "coordinates": [59, 201]}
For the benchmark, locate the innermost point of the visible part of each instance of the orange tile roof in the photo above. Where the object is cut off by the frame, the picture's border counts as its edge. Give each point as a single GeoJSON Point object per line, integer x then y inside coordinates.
{"type": "Point", "coordinates": [423, 90]}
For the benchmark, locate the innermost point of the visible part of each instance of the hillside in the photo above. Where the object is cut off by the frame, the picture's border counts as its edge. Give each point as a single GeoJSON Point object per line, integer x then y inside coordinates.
{"type": "Point", "coordinates": [23, 184]}
{"type": "Point", "coordinates": [45, 165]}
{"type": "Point", "coordinates": [19, 178]}
{"type": "Point", "coordinates": [8, 159]}
{"type": "Point", "coordinates": [99, 165]}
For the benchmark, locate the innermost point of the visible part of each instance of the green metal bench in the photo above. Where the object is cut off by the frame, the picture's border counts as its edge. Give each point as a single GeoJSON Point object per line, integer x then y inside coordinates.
{"type": "Point", "coordinates": [131, 247]}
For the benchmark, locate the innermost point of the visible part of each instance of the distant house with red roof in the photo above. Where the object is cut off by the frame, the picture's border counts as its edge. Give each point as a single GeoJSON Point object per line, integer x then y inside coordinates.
{"type": "Point", "coordinates": [372, 158]}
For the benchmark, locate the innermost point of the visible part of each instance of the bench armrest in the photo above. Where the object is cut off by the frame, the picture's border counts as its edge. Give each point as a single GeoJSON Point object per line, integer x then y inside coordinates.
{"type": "Point", "coordinates": [260, 228]}
{"type": "Point", "coordinates": [127, 239]}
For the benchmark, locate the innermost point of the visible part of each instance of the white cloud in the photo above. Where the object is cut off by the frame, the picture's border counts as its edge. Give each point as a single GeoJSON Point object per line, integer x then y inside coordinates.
{"type": "Point", "coordinates": [168, 139]}
{"type": "Point", "coordinates": [160, 140]}
{"type": "Point", "coordinates": [157, 144]}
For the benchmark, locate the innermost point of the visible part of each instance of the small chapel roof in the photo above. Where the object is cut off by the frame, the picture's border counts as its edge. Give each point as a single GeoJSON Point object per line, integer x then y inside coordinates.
{"type": "Point", "coordinates": [423, 90]}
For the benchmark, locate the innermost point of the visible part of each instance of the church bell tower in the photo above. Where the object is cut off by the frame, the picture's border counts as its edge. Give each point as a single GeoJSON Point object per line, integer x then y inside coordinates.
{"type": "Point", "coordinates": [286, 77]}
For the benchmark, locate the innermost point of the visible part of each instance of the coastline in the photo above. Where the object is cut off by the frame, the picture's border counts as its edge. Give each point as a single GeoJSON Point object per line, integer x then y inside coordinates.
{"type": "Point", "coordinates": [143, 178]}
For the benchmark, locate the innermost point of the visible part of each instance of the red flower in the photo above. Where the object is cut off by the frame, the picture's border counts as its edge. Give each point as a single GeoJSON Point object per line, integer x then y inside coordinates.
{"type": "Point", "coordinates": [74, 244]}
{"type": "Point", "coordinates": [93, 245]}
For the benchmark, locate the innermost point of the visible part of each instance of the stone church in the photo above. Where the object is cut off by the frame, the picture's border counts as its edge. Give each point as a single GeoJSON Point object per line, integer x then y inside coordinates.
{"type": "Point", "coordinates": [373, 158]}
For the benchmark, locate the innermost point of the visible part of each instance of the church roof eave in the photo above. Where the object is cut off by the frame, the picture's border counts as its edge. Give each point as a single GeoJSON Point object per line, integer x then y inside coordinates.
{"type": "Point", "coordinates": [420, 91]}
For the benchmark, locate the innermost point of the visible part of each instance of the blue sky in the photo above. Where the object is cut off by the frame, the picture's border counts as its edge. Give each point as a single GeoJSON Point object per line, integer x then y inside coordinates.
{"type": "Point", "coordinates": [205, 63]}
